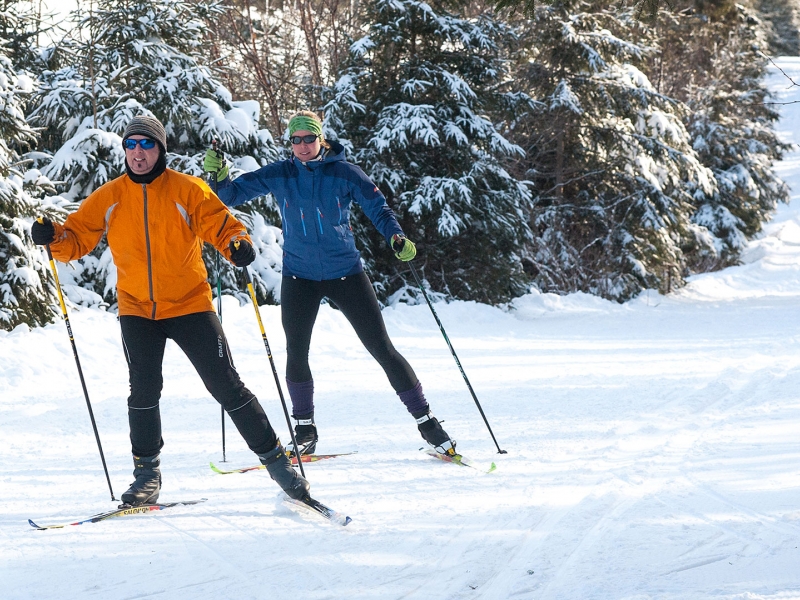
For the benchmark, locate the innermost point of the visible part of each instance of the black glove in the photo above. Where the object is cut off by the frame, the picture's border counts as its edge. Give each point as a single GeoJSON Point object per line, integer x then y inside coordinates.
{"type": "Point", "coordinates": [242, 255]}
{"type": "Point", "coordinates": [43, 232]}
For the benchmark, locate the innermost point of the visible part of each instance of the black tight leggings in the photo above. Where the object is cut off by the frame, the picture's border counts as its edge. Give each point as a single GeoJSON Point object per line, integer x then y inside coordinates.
{"type": "Point", "coordinates": [200, 337]}
{"type": "Point", "coordinates": [354, 296]}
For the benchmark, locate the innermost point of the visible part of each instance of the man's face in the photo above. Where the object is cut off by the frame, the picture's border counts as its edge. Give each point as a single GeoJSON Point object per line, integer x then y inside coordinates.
{"type": "Point", "coordinates": [141, 161]}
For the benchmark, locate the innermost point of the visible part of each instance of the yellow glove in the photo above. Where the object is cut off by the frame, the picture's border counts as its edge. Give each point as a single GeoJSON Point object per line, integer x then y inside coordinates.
{"type": "Point", "coordinates": [214, 162]}
{"type": "Point", "coordinates": [404, 249]}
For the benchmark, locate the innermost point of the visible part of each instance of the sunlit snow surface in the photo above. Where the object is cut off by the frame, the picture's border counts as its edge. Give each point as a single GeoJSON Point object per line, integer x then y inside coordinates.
{"type": "Point", "coordinates": [653, 451]}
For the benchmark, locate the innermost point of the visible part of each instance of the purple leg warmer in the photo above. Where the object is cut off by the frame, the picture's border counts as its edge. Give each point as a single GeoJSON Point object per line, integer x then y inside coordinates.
{"type": "Point", "coordinates": [414, 399]}
{"type": "Point", "coordinates": [302, 395]}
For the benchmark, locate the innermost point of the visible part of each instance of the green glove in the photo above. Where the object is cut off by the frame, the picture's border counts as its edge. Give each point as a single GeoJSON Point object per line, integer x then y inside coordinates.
{"type": "Point", "coordinates": [214, 162]}
{"type": "Point", "coordinates": [404, 249]}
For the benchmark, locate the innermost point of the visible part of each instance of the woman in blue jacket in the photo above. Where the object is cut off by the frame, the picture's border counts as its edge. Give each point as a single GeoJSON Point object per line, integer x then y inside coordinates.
{"type": "Point", "coordinates": [314, 190]}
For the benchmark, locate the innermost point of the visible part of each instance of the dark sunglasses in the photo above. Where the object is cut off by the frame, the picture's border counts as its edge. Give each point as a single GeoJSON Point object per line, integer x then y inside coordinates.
{"type": "Point", "coordinates": [145, 144]}
{"type": "Point", "coordinates": [306, 139]}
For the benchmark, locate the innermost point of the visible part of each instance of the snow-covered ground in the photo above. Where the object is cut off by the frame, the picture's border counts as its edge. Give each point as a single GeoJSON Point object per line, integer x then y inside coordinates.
{"type": "Point", "coordinates": [653, 452]}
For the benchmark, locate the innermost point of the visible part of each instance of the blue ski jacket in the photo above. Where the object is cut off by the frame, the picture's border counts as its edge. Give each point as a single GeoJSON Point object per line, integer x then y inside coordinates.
{"type": "Point", "coordinates": [314, 199]}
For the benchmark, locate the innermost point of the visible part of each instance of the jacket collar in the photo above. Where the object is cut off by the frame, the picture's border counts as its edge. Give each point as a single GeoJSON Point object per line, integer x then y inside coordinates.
{"type": "Point", "coordinates": [158, 169]}
{"type": "Point", "coordinates": [335, 154]}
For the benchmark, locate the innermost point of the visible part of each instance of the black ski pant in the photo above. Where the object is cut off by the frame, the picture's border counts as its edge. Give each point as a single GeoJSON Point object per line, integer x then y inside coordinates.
{"type": "Point", "coordinates": [354, 296]}
{"type": "Point", "coordinates": [201, 338]}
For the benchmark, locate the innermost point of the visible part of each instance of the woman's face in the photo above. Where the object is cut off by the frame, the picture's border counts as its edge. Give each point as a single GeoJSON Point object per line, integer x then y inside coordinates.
{"type": "Point", "coordinates": [304, 151]}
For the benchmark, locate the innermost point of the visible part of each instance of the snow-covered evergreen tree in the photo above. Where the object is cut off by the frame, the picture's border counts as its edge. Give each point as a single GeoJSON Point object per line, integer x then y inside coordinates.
{"type": "Point", "coordinates": [26, 292]}
{"type": "Point", "coordinates": [144, 57]}
{"type": "Point", "coordinates": [729, 118]}
{"type": "Point", "coordinates": [614, 171]}
{"type": "Point", "coordinates": [412, 107]}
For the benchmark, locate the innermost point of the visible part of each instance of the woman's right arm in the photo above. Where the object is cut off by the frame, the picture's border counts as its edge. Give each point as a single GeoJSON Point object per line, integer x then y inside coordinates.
{"type": "Point", "coordinates": [246, 187]}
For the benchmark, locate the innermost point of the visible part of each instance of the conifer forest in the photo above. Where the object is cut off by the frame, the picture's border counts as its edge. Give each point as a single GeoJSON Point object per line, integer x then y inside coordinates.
{"type": "Point", "coordinates": [565, 146]}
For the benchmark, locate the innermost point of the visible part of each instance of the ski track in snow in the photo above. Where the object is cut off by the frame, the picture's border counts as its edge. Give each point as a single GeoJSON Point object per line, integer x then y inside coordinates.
{"type": "Point", "coordinates": [653, 451]}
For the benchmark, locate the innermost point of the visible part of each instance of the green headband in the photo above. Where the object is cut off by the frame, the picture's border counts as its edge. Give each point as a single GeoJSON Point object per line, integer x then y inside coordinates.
{"type": "Point", "coordinates": [302, 122]}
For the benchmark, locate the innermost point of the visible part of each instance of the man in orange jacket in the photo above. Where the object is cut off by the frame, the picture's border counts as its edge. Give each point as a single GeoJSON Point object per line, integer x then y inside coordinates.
{"type": "Point", "coordinates": [155, 220]}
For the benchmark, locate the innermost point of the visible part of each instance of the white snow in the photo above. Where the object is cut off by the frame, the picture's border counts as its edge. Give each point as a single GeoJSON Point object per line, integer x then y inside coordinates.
{"type": "Point", "coordinates": [653, 451]}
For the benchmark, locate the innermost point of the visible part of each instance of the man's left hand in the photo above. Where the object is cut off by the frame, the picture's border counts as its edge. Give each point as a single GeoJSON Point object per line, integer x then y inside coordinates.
{"type": "Point", "coordinates": [43, 232]}
{"type": "Point", "coordinates": [242, 253]}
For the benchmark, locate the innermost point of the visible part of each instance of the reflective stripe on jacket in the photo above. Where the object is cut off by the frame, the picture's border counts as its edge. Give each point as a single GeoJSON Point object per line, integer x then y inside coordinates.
{"type": "Point", "coordinates": [156, 233]}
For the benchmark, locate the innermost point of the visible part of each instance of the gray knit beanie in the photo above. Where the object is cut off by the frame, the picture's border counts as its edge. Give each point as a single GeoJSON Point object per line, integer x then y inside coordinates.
{"type": "Point", "coordinates": [149, 126]}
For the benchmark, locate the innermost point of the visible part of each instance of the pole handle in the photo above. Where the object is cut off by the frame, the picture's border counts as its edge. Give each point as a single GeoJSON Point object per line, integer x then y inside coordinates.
{"type": "Point", "coordinates": [215, 148]}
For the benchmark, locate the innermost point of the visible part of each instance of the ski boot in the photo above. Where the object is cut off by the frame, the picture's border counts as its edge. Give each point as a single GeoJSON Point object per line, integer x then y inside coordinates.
{"type": "Point", "coordinates": [283, 473]}
{"type": "Point", "coordinates": [147, 485]}
{"type": "Point", "coordinates": [305, 432]}
{"type": "Point", "coordinates": [432, 432]}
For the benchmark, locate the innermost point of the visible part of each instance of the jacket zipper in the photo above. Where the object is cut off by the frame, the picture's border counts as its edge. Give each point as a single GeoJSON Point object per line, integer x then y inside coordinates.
{"type": "Point", "coordinates": [149, 257]}
{"type": "Point", "coordinates": [339, 204]}
{"type": "Point", "coordinates": [319, 220]}
{"type": "Point", "coordinates": [285, 222]}
{"type": "Point", "coordinates": [303, 221]}
{"type": "Point", "coordinates": [224, 222]}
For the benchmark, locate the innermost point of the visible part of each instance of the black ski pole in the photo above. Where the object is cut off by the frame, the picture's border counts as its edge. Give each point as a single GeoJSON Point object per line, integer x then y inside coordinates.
{"type": "Point", "coordinates": [455, 356]}
{"type": "Point", "coordinates": [252, 292]}
{"type": "Point", "coordinates": [219, 314]}
{"type": "Point", "coordinates": [65, 316]}
{"type": "Point", "coordinates": [219, 302]}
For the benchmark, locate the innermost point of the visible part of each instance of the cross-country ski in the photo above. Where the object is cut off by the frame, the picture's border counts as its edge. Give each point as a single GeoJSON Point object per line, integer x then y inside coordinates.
{"type": "Point", "coordinates": [306, 458]}
{"type": "Point", "coordinates": [458, 459]}
{"type": "Point", "coordinates": [122, 511]}
{"type": "Point", "coordinates": [316, 509]}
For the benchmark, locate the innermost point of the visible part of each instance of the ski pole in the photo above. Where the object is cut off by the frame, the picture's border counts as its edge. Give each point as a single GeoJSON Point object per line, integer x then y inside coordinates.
{"type": "Point", "coordinates": [219, 302]}
{"type": "Point", "coordinates": [252, 292]}
{"type": "Point", "coordinates": [65, 316]}
{"type": "Point", "coordinates": [455, 356]}
{"type": "Point", "coordinates": [215, 174]}
{"type": "Point", "coordinates": [219, 313]}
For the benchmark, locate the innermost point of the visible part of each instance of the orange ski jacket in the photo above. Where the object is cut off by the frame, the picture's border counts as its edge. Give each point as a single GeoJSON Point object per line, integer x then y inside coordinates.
{"type": "Point", "coordinates": [155, 232]}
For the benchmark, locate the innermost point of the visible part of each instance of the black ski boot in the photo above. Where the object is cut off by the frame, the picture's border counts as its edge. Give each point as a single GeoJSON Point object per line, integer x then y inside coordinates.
{"type": "Point", "coordinates": [432, 432]}
{"type": "Point", "coordinates": [147, 486]}
{"type": "Point", "coordinates": [283, 473]}
{"type": "Point", "coordinates": [305, 432]}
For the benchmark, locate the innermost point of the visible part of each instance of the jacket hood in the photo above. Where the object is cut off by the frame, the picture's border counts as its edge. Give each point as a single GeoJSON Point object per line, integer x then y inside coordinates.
{"type": "Point", "coordinates": [335, 153]}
